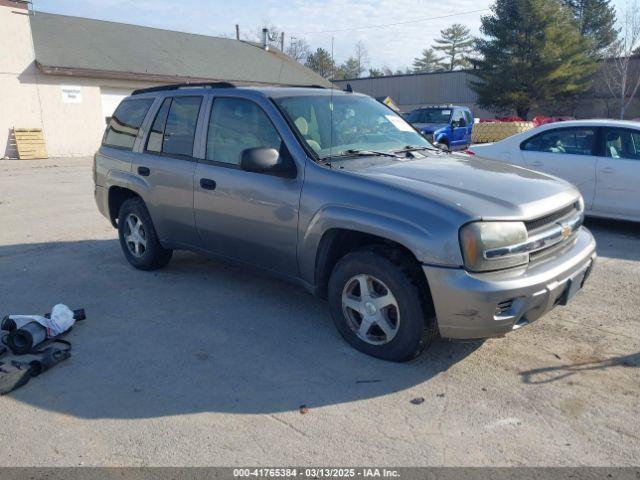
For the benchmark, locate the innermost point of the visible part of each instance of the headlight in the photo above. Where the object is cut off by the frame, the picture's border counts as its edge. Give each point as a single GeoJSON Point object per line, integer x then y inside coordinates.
{"type": "Point", "coordinates": [478, 237]}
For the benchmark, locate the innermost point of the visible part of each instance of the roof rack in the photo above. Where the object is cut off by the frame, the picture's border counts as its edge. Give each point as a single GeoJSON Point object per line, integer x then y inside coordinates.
{"type": "Point", "coordinates": [313, 85]}
{"type": "Point", "coordinates": [178, 86]}
{"type": "Point", "coordinates": [438, 105]}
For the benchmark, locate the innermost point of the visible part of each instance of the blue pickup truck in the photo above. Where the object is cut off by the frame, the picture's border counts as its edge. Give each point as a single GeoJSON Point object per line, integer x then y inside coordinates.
{"type": "Point", "coordinates": [450, 125]}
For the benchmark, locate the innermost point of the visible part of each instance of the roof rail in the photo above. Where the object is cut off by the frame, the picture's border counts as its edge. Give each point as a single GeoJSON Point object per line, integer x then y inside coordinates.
{"type": "Point", "coordinates": [178, 86]}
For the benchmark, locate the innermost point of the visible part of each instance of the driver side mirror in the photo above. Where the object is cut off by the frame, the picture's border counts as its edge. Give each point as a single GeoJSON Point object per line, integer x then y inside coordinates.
{"type": "Point", "coordinates": [267, 160]}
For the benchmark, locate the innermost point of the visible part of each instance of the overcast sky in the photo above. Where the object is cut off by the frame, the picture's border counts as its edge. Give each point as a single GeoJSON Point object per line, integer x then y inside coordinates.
{"type": "Point", "coordinates": [391, 46]}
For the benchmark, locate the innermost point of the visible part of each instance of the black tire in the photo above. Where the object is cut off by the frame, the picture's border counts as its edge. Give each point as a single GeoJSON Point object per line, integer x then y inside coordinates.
{"type": "Point", "coordinates": [153, 256]}
{"type": "Point", "coordinates": [417, 325]}
{"type": "Point", "coordinates": [446, 144]}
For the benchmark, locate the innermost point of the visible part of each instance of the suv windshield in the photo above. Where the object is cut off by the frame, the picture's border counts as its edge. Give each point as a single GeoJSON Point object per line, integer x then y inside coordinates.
{"type": "Point", "coordinates": [430, 115]}
{"type": "Point", "coordinates": [343, 125]}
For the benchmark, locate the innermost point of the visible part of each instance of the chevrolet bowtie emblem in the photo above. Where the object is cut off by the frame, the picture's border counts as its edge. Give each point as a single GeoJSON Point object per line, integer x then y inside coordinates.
{"type": "Point", "coordinates": [566, 231]}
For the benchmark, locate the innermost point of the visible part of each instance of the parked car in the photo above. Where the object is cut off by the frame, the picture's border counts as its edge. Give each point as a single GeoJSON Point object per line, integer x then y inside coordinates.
{"type": "Point", "coordinates": [600, 157]}
{"type": "Point", "coordinates": [336, 192]}
{"type": "Point", "coordinates": [448, 125]}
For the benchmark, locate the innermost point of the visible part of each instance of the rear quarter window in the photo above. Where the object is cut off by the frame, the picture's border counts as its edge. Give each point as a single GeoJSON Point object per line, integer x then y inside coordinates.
{"type": "Point", "coordinates": [124, 125]}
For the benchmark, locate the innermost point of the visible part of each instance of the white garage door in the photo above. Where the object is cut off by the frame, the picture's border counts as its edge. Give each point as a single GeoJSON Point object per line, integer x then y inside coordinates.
{"type": "Point", "coordinates": [111, 98]}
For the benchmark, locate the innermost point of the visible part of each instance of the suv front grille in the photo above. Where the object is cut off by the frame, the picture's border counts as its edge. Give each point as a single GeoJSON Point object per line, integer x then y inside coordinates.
{"type": "Point", "coordinates": [552, 218]}
{"type": "Point", "coordinates": [540, 225]}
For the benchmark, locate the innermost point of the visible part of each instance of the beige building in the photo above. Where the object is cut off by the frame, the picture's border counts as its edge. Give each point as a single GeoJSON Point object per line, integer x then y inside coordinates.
{"type": "Point", "coordinates": [66, 75]}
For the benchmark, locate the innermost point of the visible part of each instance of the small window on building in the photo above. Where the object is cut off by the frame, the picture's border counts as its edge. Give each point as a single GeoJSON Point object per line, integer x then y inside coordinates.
{"type": "Point", "coordinates": [236, 125]}
{"type": "Point", "coordinates": [124, 124]}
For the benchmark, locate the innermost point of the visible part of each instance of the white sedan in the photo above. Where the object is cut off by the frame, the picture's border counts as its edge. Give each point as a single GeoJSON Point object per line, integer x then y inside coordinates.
{"type": "Point", "coordinates": [600, 157]}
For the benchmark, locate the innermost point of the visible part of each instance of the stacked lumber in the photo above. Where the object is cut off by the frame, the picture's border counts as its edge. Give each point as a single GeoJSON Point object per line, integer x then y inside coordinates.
{"type": "Point", "coordinates": [29, 143]}
{"type": "Point", "coordinates": [494, 131]}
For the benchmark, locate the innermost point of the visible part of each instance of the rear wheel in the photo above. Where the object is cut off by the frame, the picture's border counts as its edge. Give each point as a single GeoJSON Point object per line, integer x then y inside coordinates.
{"type": "Point", "coordinates": [138, 237]}
{"type": "Point", "coordinates": [380, 304]}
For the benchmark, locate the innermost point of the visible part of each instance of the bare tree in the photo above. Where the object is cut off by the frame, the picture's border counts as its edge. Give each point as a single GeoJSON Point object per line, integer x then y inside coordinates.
{"type": "Point", "coordinates": [361, 57]}
{"type": "Point", "coordinates": [620, 69]}
{"type": "Point", "coordinates": [298, 49]}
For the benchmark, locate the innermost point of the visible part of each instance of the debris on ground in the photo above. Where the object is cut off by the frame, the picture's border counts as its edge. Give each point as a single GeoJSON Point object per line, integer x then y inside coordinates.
{"type": "Point", "coordinates": [303, 409]}
{"type": "Point", "coordinates": [35, 343]}
{"type": "Point", "coordinates": [417, 400]}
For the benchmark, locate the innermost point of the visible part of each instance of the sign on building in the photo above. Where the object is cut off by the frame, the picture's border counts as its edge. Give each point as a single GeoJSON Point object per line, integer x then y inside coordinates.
{"type": "Point", "coordinates": [71, 94]}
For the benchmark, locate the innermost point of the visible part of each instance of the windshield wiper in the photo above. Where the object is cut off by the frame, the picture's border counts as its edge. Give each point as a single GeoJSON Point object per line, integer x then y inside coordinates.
{"type": "Point", "coordinates": [415, 148]}
{"type": "Point", "coordinates": [363, 153]}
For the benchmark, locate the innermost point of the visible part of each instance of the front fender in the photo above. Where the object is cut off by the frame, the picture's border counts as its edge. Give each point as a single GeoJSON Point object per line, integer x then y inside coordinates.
{"type": "Point", "coordinates": [440, 135]}
{"type": "Point", "coordinates": [419, 240]}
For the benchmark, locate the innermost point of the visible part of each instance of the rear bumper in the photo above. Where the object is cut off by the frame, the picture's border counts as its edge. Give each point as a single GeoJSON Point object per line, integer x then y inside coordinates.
{"type": "Point", "coordinates": [467, 304]}
{"type": "Point", "coordinates": [102, 200]}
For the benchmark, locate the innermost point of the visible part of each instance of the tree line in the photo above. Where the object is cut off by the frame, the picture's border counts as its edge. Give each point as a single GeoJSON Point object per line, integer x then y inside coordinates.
{"type": "Point", "coordinates": [530, 52]}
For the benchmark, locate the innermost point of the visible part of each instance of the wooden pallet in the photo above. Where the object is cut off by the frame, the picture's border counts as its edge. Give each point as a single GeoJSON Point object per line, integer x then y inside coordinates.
{"type": "Point", "coordinates": [29, 143]}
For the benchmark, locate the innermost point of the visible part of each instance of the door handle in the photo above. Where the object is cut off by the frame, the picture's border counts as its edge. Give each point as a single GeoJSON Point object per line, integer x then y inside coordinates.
{"type": "Point", "coordinates": [607, 170]}
{"type": "Point", "coordinates": [207, 184]}
{"type": "Point", "coordinates": [143, 171]}
{"type": "Point", "coordinates": [537, 164]}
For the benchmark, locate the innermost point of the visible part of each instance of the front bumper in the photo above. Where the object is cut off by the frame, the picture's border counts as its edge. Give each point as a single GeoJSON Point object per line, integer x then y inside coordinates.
{"type": "Point", "coordinates": [478, 305]}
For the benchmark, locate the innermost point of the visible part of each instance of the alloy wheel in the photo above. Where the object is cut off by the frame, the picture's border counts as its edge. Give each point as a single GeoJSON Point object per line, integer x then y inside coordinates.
{"type": "Point", "coordinates": [135, 236]}
{"type": "Point", "coordinates": [371, 309]}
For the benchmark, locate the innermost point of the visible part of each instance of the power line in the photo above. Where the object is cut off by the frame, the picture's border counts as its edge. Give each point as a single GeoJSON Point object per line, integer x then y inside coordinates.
{"type": "Point", "coordinates": [364, 27]}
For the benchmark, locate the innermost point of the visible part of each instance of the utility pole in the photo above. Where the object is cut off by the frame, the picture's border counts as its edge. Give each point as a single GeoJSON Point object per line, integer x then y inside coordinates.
{"type": "Point", "coordinates": [282, 42]}
{"type": "Point", "coordinates": [237, 32]}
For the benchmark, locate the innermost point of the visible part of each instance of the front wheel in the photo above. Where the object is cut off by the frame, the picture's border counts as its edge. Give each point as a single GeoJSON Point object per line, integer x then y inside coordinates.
{"type": "Point", "coordinates": [138, 237]}
{"type": "Point", "coordinates": [380, 304]}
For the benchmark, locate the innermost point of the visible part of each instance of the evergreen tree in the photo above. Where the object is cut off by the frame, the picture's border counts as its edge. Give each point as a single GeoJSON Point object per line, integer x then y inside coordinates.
{"type": "Point", "coordinates": [532, 53]}
{"type": "Point", "coordinates": [321, 62]}
{"type": "Point", "coordinates": [596, 21]}
{"type": "Point", "coordinates": [456, 44]}
{"type": "Point", "coordinates": [427, 62]}
{"type": "Point", "coordinates": [351, 68]}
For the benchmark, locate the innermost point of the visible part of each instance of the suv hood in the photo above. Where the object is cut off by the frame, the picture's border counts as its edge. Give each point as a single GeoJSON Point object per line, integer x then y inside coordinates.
{"type": "Point", "coordinates": [478, 188]}
{"type": "Point", "coordinates": [430, 127]}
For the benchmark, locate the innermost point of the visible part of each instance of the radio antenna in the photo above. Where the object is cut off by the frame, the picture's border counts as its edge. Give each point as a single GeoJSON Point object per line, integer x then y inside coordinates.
{"type": "Point", "coordinates": [333, 74]}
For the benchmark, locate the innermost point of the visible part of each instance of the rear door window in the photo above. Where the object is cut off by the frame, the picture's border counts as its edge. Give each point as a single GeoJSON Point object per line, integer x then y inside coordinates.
{"type": "Point", "coordinates": [124, 125]}
{"type": "Point", "coordinates": [156, 135]}
{"type": "Point", "coordinates": [173, 130]}
{"type": "Point", "coordinates": [620, 143]}
{"type": "Point", "coordinates": [180, 128]}
{"type": "Point", "coordinates": [572, 141]}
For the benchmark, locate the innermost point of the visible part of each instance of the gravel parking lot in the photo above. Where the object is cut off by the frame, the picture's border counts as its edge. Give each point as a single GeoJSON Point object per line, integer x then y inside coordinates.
{"type": "Point", "coordinates": [207, 364]}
